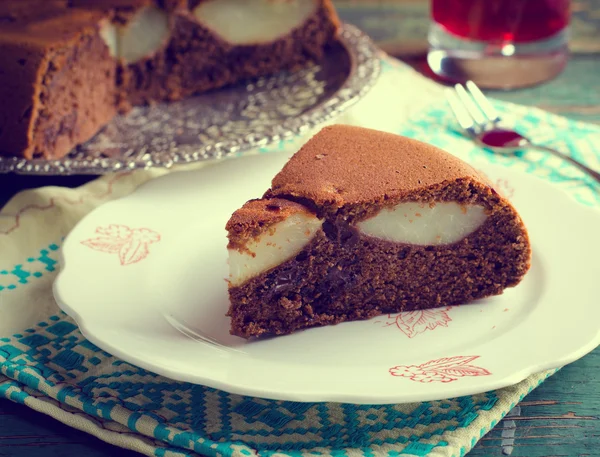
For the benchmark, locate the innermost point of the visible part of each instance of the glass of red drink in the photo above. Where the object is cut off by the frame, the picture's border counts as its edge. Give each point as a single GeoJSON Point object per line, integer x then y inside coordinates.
{"type": "Point", "coordinates": [498, 43]}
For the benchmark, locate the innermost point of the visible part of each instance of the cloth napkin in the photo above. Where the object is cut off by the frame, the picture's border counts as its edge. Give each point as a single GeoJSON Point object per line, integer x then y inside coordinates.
{"type": "Point", "coordinates": [46, 364]}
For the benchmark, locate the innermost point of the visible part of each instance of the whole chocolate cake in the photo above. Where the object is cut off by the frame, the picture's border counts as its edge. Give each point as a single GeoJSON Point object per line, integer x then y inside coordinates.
{"type": "Point", "coordinates": [361, 223]}
{"type": "Point", "coordinates": [68, 66]}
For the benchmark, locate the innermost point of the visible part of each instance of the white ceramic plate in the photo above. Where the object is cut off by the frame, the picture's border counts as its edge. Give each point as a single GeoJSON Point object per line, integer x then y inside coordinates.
{"type": "Point", "coordinates": [144, 279]}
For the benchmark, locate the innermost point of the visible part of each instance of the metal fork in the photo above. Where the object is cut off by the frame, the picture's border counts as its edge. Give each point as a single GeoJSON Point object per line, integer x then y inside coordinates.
{"type": "Point", "coordinates": [480, 120]}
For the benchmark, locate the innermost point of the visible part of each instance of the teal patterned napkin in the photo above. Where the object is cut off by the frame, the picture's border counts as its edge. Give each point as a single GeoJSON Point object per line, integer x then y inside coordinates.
{"type": "Point", "coordinates": [46, 364]}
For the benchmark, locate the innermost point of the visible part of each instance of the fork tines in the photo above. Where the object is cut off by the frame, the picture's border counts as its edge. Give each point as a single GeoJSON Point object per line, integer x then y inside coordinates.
{"type": "Point", "coordinates": [472, 109]}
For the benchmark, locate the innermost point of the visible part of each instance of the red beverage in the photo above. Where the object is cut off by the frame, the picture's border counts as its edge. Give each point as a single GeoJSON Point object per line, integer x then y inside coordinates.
{"type": "Point", "coordinates": [515, 21]}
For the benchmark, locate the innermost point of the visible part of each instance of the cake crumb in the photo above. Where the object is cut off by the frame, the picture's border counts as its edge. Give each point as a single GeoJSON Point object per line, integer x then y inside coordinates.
{"type": "Point", "coordinates": [288, 304]}
{"type": "Point", "coordinates": [273, 207]}
{"type": "Point", "coordinates": [505, 309]}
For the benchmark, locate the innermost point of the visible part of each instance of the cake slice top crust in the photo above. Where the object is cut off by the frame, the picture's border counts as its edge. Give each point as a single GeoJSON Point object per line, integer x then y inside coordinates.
{"type": "Point", "coordinates": [256, 216]}
{"type": "Point", "coordinates": [346, 166]}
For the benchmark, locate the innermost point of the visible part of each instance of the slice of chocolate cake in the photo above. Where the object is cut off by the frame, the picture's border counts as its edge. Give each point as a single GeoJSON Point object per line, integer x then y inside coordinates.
{"type": "Point", "coordinates": [361, 223]}
{"type": "Point", "coordinates": [67, 66]}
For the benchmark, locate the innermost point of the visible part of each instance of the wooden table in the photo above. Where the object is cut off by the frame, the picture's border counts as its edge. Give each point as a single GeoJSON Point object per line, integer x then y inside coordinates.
{"type": "Point", "coordinates": [561, 418]}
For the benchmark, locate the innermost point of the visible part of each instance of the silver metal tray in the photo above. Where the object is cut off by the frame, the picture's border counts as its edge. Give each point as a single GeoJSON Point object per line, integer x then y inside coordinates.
{"type": "Point", "coordinates": [226, 121]}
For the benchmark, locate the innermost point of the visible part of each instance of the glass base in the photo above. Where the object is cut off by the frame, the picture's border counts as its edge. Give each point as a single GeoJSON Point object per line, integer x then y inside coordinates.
{"type": "Point", "coordinates": [496, 66]}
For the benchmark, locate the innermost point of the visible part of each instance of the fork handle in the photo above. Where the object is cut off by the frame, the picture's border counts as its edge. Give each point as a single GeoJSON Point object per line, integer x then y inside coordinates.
{"type": "Point", "coordinates": [594, 174]}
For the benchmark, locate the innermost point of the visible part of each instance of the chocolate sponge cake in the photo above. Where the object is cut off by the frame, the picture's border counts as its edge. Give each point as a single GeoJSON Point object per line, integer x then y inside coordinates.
{"type": "Point", "coordinates": [68, 66]}
{"type": "Point", "coordinates": [57, 78]}
{"type": "Point", "coordinates": [220, 42]}
{"type": "Point", "coordinates": [360, 223]}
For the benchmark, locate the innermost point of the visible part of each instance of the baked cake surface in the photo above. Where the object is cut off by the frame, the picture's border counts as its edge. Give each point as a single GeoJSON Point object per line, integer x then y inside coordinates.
{"type": "Point", "coordinates": [70, 65]}
{"type": "Point", "coordinates": [360, 223]}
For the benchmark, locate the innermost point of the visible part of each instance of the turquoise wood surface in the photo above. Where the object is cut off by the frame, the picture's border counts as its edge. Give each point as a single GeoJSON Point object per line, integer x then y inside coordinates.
{"type": "Point", "coordinates": [560, 418]}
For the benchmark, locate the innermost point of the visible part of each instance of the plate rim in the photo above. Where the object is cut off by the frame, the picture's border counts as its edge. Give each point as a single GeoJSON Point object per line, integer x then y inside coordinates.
{"type": "Point", "coordinates": [364, 56]}
{"type": "Point", "coordinates": [241, 388]}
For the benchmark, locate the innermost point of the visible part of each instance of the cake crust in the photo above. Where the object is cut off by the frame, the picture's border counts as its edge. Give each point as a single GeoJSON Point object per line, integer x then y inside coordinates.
{"type": "Point", "coordinates": [347, 169]}
{"type": "Point", "coordinates": [256, 217]}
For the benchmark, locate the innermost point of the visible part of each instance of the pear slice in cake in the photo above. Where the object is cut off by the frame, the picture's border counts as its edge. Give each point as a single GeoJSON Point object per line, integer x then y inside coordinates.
{"type": "Point", "coordinates": [360, 223]}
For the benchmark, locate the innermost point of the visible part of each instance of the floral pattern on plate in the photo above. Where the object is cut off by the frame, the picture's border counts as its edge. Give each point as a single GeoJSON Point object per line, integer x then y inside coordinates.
{"type": "Point", "coordinates": [446, 369]}
{"type": "Point", "coordinates": [412, 323]}
{"type": "Point", "coordinates": [130, 244]}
